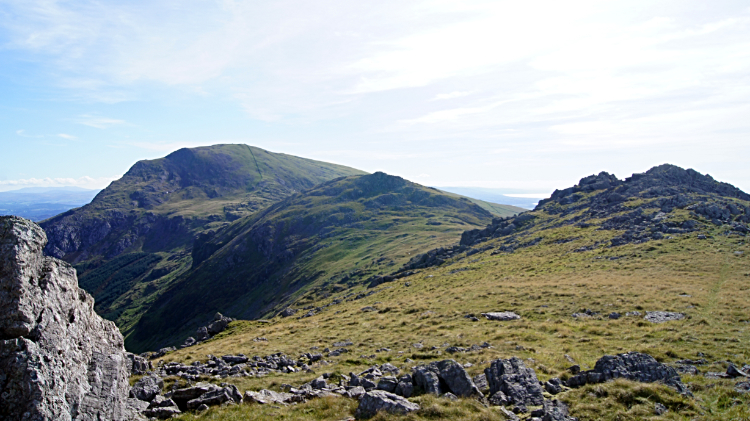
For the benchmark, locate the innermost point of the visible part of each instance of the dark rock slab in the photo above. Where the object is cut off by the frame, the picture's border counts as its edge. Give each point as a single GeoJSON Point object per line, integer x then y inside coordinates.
{"type": "Point", "coordinates": [517, 382]}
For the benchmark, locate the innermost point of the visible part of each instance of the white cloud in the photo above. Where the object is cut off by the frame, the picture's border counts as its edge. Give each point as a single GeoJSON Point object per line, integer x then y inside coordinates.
{"type": "Point", "coordinates": [67, 136]}
{"type": "Point", "coordinates": [454, 94]}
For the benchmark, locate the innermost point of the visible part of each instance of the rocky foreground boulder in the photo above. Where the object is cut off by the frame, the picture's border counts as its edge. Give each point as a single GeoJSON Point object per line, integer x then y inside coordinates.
{"type": "Point", "coordinates": [58, 359]}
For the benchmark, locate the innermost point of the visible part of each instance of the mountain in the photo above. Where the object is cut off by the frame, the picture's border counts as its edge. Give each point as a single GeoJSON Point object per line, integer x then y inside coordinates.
{"type": "Point", "coordinates": [656, 264]}
{"type": "Point", "coordinates": [328, 239]}
{"type": "Point", "coordinates": [134, 239]}
{"type": "Point", "coordinates": [39, 203]}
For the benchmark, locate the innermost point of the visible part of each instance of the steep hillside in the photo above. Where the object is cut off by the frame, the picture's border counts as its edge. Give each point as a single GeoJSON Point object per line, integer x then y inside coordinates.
{"type": "Point", "coordinates": [134, 239]}
{"type": "Point", "coordinates": [589, 272]}
{"type": "Point", "coordinates": [311, 245]}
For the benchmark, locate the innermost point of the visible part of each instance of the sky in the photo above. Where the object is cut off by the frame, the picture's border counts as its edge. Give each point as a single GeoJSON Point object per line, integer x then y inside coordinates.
{"type": "Point", "coordinates": [528, 96]}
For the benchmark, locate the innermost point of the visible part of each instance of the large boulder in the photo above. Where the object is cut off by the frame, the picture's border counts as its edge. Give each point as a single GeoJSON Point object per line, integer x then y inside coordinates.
{"type": "Point", "coordinates": [517, 383]}
{"type": "Point", "coordinates": [632, 366]}
{"type": "Point", "coordinates": [445, 376]}
{"type": "Point", "coordinates": [379, 400]}
{"type": "Point", "coordinates": [58, 359]}
{"type": "Point", "coordinates": [147, 388]}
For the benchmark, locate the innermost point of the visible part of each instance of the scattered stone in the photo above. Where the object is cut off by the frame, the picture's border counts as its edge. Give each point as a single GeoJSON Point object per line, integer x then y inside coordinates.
{"type": "Point", "coordinates": [517, 382]}
{"type": "Point", "coordinates": [555, 411]}
{"type": "Point", "coordinates": [574, 369]}
{"type": "Point", "coordinates": [378, 400]}
{"type": "Point", "coordinates": [687, 369]}
{"type": "Point", "coordinates": [431, 378]}
{"type": "Point", "coordinates": [147, 388]}
{"type": "Point", "coordinates": [614, 315]}
{"type": "Point", "coordinates": [450, 396]}
{"type": "Point", "coordinates": [733, 372]}
{"type": "Point", "coordinates": [138, 364]}
{"type": "Point", "coordinates": [50, 335]}
{"type": "Point", "coordinates": [343, 343]}
{"type": "Point", "coordinates": [660, 409]}
{"type": "Point", "coordinates": [742, 387]}
{"type": "Point", "coordinates": [501, 316]}
{"type": "Point", "coordinates": [265, 396]}
{"type": "Point", "coordinates": [633, 314]}
{"type": "Point", "coordinates": [663, 316]}
{"type": "Point", "coordinates": [368, 309]}
{"type": "Point", "coordinates": [632, 366]}
{"type": "Point", "coordinates": [287, 312]}
{"type": "Point", "coordinates": [553, 386]}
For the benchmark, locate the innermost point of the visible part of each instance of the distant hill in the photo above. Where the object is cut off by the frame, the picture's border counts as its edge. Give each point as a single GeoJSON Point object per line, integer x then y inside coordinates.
{"type": "Point", "coordinates": [312, 244]}
{"type": "Point", "coordinates": [39, 203]}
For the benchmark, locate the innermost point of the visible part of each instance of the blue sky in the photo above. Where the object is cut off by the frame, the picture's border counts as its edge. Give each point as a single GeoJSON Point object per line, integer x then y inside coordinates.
{"type": "Point", "coordinates": [526, 95]}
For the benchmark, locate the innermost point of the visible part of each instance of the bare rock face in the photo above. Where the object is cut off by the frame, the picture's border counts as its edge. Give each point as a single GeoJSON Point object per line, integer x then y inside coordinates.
{"type": "Point", "coordinates": [58, 359]}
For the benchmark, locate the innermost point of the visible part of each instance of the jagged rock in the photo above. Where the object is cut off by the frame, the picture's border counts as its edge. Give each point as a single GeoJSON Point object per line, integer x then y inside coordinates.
{"type": "Point", "coordinates": [356, 392]}
{"type": "Point", "coordinates": [501, 316]}
{"type": "Point", "coordinates": [50, 335]}
{"type": "Point", "coordinates": [663, 316]}
{"type": "Point", "coordinates": [427, 379]}
{"type": "Point", "coordinates": [499, 399]}
{"type": "Point", "coordinates": [687, 369]}
{"type": "Point", "coordinates": [405, 386]}
{"type": "Point", "coordinates": [742, 387]}
{"type": "Point", "coordinates": [183, 396]}
{"type": "Point", "coordinates": [733, 372]}
{"type": "Point", "coordinates": [217, 396]}
{"type": "Point", "coordinates": [632, 366]}
{"type": "Point", "coordinates": [138, 364]}
{"type": "Point", "coordinates": [449, 373]}
{"type": "Point", "coordinates": [202, 333]}
{"type": "Point", "coordinates": [147, 388]}
{"type": "Point", "coordinates": [268, 396]}
{"type": "Point", "coordinates": [287, 312]}
{"type": "Point", "coordinates": [553, 386]}
{"type": "Point", "coordinates": [190, 341]}
{"type": "Point", "coordinates": [319, 383]}
{"type": "Point", "coordinates": [480, 380]}
{"type": "Point", "coordinates": [378, 400]}
{"type": "Point", "coordinates": [388, 383]}
{"type": "Point", "coordinates": [219, 324]}
{"type": "Point", "coordinates": [518, 382]}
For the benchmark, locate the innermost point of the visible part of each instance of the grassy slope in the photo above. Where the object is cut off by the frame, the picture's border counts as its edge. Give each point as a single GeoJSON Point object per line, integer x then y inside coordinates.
{"type": "Point", "coordinates": [545, 283]}
{"type": "Point", "coordinates": [309, 246]}
{"type": "Point", "coordinates": [160, 205]}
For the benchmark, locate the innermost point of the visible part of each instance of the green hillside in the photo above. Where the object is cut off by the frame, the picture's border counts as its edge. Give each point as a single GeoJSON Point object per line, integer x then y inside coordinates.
{"type": "Point", "coordinates": [582, 270]}
{"type": "Point", "coordinates": [324, 241]}
{"type": "Point", "coordinates": [134, 239]}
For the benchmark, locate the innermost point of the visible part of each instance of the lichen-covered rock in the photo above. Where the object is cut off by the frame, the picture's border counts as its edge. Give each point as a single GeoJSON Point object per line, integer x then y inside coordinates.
{"type": "Point", "coordinates": [517, 382]}
{"type": "Point", "coordinates": [632, 366]}
{"type": "Point", "coordinates": [59, 360]}
{"type": "Point", "coordinates": [379, 400]}
{"type": "Point", "coordinates": [445, 376]}
{"type": "Point", "coordinates": [147, 388]}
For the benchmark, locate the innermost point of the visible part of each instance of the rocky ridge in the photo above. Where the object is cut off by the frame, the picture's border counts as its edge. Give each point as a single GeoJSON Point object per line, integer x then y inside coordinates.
{"type": "Point", "coordinates": [58, 359]}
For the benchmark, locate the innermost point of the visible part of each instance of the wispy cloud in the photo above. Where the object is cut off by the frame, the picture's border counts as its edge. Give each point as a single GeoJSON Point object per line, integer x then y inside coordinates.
{"type": "Point", "coordinates": [454, 94]}
{"type": "Point", "coordinates": [67, 136]}
{"type": "Point", "coordinates": [23, 133]}
{"type": "Point", "coordinates": [98, 121]}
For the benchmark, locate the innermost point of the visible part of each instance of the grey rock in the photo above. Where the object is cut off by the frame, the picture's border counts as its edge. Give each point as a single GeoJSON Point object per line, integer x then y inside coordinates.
{"type": "Point", "coordinates": [457, 379]}
{"type": "Point", "coordinates": [219, 324]}
{"type": "Point", "coordinates": [614, 315]}
{"type": "Point", "coordinates": [518, 382]}
{"type": "Point", "coordinates": [632, 366]}
{"type": "Point", "coordinates": [733, 371]}
{"type": "Point", "coordinates": [501, 316]}
{"type": "Point", "coordinates": [202, 333]}
{"type": "Point", "coordinates": [742, 387]}
{"type": "Point", "coordinates": [428, 379]}
{"type": "Point", "coordinates": [138, 365]}
{"type": "Point", "coordinates": [378, 400]}
{"type": "Point", "coordinates": [663, 316]}
{"type": "Point", "coordinates": [355, 392]}
{"type": "Point", "coordinates": [480, 380]}
{"type": "Point", "coordinates": [288, 312]}
{"type": "Point", "coordinates": [183, 396]}
{"type": "Point", "coordinates": [510, 416]}
{"type": "Point", "coordinates": [319, 383]}
{"type": "Point", "coordinates": [450, 396]}
{"type": "Point", "coordinates": [190, 341]}
{"type": "Point", "coordinates": [388, 383]}
{"type": "Point", "coordinates": [212, 398]}
{"type": "Point", "coordinates": [50, 335]}
{"type": "Point", "coordinates": [269, 397]}
{"type": "Point", "coordinates": [553, 386]}
{"type": "Point", "coordinates": [499, 399]}
{"type": "Point", "coordinates": [147, 388]}
{"type": "Point", "coordinates": [687, 369]}
{"type": "Point", "coordinates": [555, 411]}
{"type": "Point", "coordinates": [162, 413]}
{"type": "Point", "coordinates": [660, 409]}
{"type": "Point", "coordinates": [404, 388]}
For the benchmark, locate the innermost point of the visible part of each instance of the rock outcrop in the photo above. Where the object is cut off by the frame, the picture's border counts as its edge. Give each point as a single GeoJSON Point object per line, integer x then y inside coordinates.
{"type": "Point", "coordinates": [58, 359]}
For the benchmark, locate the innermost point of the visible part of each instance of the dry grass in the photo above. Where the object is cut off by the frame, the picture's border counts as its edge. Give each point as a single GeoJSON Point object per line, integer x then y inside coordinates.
{"type": "Point", "coordinates": [545, 284]}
